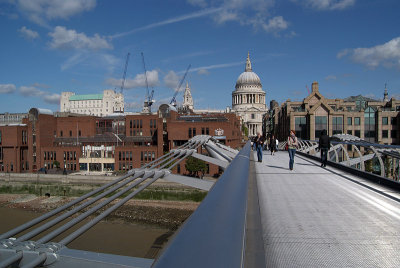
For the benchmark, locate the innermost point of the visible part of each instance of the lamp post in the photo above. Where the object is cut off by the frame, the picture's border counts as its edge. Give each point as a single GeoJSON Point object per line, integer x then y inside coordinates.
{"type": "Point", "coordinates": [45, 168]}
{"type": "Point", "coordinates": [7, 168]}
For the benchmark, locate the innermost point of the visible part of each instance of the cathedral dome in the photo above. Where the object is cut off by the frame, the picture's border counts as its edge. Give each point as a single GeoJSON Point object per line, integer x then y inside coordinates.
{"type": "Point", "coordinates": [248, 78]}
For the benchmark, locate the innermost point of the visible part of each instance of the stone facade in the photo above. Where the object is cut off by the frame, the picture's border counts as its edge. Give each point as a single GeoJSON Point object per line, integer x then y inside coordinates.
{"type": "Point", "coordinates": [92, 104]}
{"type": "Point", "coordinates": [371, 120]}
{"type": "Point", "coordinates": [187, 99]}
{"type": "Point", "coordinates": [248, 99]}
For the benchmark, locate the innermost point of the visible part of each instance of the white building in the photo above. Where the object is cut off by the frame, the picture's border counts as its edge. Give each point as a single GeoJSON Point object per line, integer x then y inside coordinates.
{"type": "Point", "coordinates": [92, 104]}
{"type": "Point", "coordinates": [248, 99]}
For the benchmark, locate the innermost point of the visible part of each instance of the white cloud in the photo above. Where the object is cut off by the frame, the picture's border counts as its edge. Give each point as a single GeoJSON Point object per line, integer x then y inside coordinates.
{"type": "Point", "coordinates": [387, 55]}
{"type": "Point", "coordinates": [52, 98]}
{"type": "Point", "coordinates": [28, 34]}
{"type": "Point", "coordinates": [189, 16]}
{"type": "Point", "coordinates": [171, 80]}
{"type": "Point", "coordinates": [327, 4]}
{"type": "Point", "coordinates": [30, 91]}
{"type": "Point", "coordinates": [331, 77]}
{"type": "Point", "coordinates": [203, 72]}
{"type": "Point", "coordinates": [216, 66]}
{"type": "Point", "coordinates": [62, 38]}
{"type": "Point", "coordinates": [324, 5]}
{"type": "Point", "coordinates": [276, 24]}
{"type": "Point", "coordinates": [7, 88]}
{"type": "Point", "coordinates": [254, 13]}
{"type": "Point", "coordinates": [39, 11]}
{"type": "Point", "coordinates": [40, 85]}
{"type": "Point", "coordinates": [137, 82]}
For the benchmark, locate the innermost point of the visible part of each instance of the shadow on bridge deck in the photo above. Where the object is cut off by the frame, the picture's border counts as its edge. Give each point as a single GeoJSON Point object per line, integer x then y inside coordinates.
{"type": "Point", "coordinates": [324, 217]}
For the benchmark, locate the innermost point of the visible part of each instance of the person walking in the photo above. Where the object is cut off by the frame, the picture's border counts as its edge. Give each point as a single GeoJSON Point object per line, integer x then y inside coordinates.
{"type": "Point", "coordinates": [259, 141]}
{"type": "Point", "coordinates": [324, 145]}
{"type": "Point", "coordinates": [272, 144]}
{"type": "Point", "coordinates": [292, 145]}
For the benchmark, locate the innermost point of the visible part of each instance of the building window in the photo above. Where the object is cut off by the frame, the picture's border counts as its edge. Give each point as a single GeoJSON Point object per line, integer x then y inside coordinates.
{"type": "Point", "coordinates": [0, 137]}
{"type": "Point", "coordinates": [141, 156]}
{"type": "Point", "coordinates": [300, 127]}
{"type": "Point", "coordinates": [385, 133]}
{"type": "Point", "coordinates": [349, 121]}
{"type": "Point", "coordinates": [394, 121]}
{"type": "Point", "coordinates": [321, 123]}
{"type": "Point", "coordinates": [253, 116]}
{"type": "Point", "coordinates": [356, 121]}
{"type": "Point", "coordinates": [385, 121]}
{"type": "Point", "coordinates": [337, 125]}
{"type": "Point", "coordinates": [350, 132]}
{"type": "Point", "coordinates": [178, 169]}
{"type": "Point", "coordinates": [79, 133]}
{"type": "Point", "coordinates": [61, 133]}
{"type": "Point", "coordinates": [120, 156]}
{"type": "Point", "coordinates": [207, 131]}
{"type": "Point", "coordinates": [357, 133]}
{"type": "Point", "coordinates": [194, 131]}
{"type": "Point", "coordinates": [190, 132]}
{"type": "Point", "coordinates": [393, 134]}
{"type": "Point", "coordinates": [203, 131]}
{"type": "Point", "coordinates": [369, 124]}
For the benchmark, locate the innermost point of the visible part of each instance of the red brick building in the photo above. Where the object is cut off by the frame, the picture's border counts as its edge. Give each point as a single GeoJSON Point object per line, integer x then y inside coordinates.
{"type": "Point", "coordinates": [119, 142]}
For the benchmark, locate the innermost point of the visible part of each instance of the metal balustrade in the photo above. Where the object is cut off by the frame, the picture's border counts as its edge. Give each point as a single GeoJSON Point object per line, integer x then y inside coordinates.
{"type": "Point", "coordinates": [351, 151]}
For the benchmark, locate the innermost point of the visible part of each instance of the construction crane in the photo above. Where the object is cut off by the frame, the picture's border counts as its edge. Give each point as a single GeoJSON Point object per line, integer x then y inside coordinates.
{"type": "Point", "coordinates": [149, 97]}
{"type": "Point", "coordinates": [124, 75]}
{"type": "Point", "coordinates": [173, 100]}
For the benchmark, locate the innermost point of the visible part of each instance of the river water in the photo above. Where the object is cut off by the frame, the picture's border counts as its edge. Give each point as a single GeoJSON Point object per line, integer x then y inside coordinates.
{"type": "Point", "coordinates": [106, 237]}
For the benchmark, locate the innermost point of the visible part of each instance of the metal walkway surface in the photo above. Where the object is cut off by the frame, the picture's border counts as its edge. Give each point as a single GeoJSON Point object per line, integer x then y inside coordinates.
{"type": "Point", "coordinates": [323, 217]}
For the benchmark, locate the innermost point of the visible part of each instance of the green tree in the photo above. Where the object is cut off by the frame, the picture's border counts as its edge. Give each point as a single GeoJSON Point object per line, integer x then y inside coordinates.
{"type": "Point", "coordinates": [245, 130]}
{"type": "Point", "coordinates": [56, 164]}
{"type": "Point", "coordinates": [194, 166]}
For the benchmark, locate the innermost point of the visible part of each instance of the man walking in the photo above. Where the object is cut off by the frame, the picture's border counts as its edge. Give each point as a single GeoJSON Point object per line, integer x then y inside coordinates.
{"type": "Point", "coordinates": [324, 145]}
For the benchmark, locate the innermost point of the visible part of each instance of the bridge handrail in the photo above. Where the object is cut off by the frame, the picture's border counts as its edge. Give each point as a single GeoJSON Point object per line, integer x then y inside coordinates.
{"type": "Point", "coordinates": [214, 235]}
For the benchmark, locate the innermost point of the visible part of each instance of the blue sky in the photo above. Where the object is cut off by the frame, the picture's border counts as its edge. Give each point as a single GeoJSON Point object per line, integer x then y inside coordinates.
{"type": "Point", "coordinates": [350, 47]}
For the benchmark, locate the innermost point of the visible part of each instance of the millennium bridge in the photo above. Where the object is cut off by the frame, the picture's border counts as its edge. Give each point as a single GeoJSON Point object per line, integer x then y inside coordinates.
{"type": "Point", "coordinates": [256, 214]}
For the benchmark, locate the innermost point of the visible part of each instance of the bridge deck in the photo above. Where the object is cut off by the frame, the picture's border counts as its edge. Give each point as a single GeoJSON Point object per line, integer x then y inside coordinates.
{"type": "Point", "coordinates": [323, 217]}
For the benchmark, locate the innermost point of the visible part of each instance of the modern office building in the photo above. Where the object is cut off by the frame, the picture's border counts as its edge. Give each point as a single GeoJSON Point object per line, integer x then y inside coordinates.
{"type": "Point", "coordinates": [371, 120]}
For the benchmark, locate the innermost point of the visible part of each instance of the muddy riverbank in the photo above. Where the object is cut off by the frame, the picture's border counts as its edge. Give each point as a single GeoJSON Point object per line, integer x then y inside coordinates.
{"type": "Point", "coordinates": [161, 213]}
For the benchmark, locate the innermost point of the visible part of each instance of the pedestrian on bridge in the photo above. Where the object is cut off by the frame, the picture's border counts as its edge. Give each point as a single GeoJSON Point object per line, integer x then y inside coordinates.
{"type": "Point", "coordinates": [292, 145]}
{"type": "Point", "coordinates": [259, 141]}
{"type": "Point", "coordinates": [324, 145]}
{"type": "Point", "coordinates": [272, 144]}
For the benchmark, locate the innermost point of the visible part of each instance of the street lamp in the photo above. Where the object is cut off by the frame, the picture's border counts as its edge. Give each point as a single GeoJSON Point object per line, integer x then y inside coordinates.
{"type": "Point", "coordinates": [45, 168]}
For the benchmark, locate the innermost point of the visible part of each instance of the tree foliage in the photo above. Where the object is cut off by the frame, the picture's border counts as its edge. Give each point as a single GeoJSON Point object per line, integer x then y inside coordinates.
{"type": "Point", "coordinates": [245, 130]}
{"type": "Point", "coordinates": [194, 166]}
